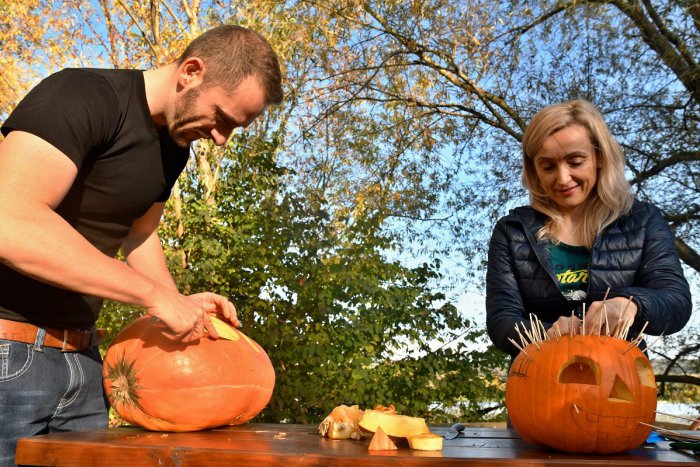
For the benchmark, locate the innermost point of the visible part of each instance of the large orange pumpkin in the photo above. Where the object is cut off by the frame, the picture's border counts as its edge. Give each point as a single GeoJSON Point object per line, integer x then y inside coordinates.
{"type": "Point", "coordinates": [583, 394]}
{"type": "Point", "coordinates": [163, 385]}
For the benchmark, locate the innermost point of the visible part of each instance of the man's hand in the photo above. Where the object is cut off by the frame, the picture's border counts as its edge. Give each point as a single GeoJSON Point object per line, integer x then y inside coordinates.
{"type": "Point", "coordinates": [619, 312]}
{"type": "Point", "coordinates": [187, 317]}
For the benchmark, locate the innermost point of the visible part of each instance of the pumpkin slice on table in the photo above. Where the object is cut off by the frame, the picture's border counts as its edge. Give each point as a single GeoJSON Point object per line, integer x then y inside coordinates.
{"type": "Point", "coordinates": [381, 442]}
{"type": "Point", "coordinates": [425, 442]}
{"type": "Point", "coordinates": [398, 426]}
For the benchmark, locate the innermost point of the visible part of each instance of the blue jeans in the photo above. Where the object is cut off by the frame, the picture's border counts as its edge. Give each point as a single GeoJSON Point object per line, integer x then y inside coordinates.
{"type": "Point", "coordinates": [44, 390]}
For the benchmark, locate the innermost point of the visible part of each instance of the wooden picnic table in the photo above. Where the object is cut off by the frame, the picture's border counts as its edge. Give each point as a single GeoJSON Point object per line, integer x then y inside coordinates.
{"type": "Point", "coordinates": [263, 445]}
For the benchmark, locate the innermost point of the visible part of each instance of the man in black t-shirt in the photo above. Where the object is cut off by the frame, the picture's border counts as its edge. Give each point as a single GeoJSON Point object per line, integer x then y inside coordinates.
{"type": "Point", "coordinates": [87, 163]}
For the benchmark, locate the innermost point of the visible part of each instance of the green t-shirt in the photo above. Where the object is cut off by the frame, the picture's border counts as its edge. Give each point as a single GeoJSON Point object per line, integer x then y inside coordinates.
{"type": "Point", "coordinates": [570, 265]}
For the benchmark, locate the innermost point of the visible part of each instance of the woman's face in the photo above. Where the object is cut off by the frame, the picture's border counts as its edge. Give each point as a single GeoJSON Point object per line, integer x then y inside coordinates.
{"type": "Point", "coordinates": [567, 167]}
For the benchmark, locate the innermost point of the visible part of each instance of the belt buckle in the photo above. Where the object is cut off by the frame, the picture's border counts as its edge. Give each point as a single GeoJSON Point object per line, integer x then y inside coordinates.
{"type": "Point", "coordinates": [79, 346]}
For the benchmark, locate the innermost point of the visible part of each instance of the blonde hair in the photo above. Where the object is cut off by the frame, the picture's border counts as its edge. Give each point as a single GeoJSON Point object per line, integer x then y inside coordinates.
{"type": "Point", "coordinates": [609, 199]}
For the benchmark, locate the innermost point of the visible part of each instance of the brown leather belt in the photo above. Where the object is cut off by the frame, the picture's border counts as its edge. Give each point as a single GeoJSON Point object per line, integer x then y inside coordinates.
{"type": "Point", "coordinates": [68, 340]}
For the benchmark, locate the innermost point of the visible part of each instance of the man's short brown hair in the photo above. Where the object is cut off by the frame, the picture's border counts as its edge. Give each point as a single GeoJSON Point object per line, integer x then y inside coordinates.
{"type": "Point", "coordinates": [232, 53]}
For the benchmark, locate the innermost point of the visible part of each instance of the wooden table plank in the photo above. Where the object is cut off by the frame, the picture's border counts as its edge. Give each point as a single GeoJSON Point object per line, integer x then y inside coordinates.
{"type": "Point", "coordinates": [262, 445]}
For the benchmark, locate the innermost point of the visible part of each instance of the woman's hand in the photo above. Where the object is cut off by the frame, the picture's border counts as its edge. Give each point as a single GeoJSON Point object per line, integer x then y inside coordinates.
{"type": "Point", "coordinates": [611, 317]}
{"type": "Point", "coordinates": [563, 326]}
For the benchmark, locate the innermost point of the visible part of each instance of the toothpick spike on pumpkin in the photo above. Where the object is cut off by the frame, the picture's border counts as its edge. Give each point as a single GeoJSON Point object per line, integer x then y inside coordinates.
{"type": "Point", "coordinates": [573, 330]}
{"type": "Point", "coordinates": [523, 341]}
{"type": "Point", "coordinates": [643, 328]}
{"type": "Point", "coordinates": [630, 345]}
{"type": "Point", "coordinates": [533, 327]}
{"type": "Point", "coordinates": [532, 339]}
{"type": "Point", "coordinates": [637, 339]}
{"type": "Point", "coordinates": [544, 331]}
{"type": "Point", "coordinates": [576, 407]}
{"type": "Point", "coordinates": [527, 333]}
{"type": "Point", "coordinates": [516, 344]}
{"type": "Point", "coordinates": [558, 331]}
{"type": "Point", "coordinates": [583, 320]}
{"type": "Point", "coordinates": [605, 313]}
{"type": "Point", "coordinates": [649, 346]}
{"type": "Point", "coordinates": [629, 300]}
{"type": "Point", "coordinates": [627, 321]}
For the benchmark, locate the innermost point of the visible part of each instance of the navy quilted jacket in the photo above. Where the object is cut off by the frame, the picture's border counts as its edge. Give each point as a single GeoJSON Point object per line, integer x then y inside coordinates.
{"type": "Point", "coordinates": [635, 256]}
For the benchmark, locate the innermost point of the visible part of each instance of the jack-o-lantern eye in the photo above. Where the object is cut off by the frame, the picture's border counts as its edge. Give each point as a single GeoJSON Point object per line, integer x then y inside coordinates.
{"type": "Point", "coordinates": [580, 370]}
{"type": "Point", "coordinates": [645, 372]}
{"type": "Point", "coordinates": [620, 392]}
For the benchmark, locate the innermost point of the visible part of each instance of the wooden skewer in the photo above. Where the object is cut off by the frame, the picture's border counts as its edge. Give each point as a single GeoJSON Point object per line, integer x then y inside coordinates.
{"type": "Point", "coordinates": [628, 319]}
{"type": "Point", "coordinates": [643, 328]}
{"type": "Point", "coordinates": [633, 343]}
{"type": "Point", "coordinates": [678, 416]}
{"type": "Point", "coordinates": [607, 323]}
{"type": "Point", "coordinates": [605, 313]}
{"type": "Point", "coordinates": [540, 329]}
{"type": "Point", "coordinates": [573, 330]}
{"type": "Point", "coordinates": [671, 432]}
{"type": "Point", "coordinates": [532, 327]}
{"type": "Point", "coordinates": [649, 346]}
{"type": "Point", "coordinates": [630, 345]}
{"type": "Point", "coordinates": [544, 331]}
{"type": "Point", "coordinates": [522, 338]}
{"type": "Point", "coordinates": [532, 339]}
{"type": "Point", "coordinates": [527, 337]}
{"type": "Point", "coordinates": [637, 339]}
{"type": "Point", "coordinates": [516, 344]}
{"type": "Point", "coordinates": [621, 323]}
{"type": "Point", "coordinates": [583, 324]}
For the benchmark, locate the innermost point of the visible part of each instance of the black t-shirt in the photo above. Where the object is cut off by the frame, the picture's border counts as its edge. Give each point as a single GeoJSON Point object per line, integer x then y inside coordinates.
{"type": "Point", "coordinates": [101, 121]}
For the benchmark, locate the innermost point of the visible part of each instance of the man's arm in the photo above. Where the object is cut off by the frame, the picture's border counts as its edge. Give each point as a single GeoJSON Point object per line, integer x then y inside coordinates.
{"type": "Point", "coordinates": [143, 250]}
{"type": "Point", "coordinates": [34, 178]}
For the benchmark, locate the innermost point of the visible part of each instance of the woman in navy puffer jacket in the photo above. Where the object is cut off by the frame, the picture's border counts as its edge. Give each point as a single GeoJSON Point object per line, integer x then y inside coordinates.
{"type": "Point", "coordinates": [583, 236]}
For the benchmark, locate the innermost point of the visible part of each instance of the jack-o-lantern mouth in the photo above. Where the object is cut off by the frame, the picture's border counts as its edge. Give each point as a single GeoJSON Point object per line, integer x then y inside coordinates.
{"type": "Point", "coordinates": [590, 422]}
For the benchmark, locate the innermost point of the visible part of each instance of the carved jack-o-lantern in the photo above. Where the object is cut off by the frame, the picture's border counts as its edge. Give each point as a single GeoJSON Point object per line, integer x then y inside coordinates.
{"type": "Point", "coordinates": [582, 394]}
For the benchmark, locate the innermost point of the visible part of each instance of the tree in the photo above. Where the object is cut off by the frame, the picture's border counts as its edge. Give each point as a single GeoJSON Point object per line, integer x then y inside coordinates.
{"type": "Point", "coordinates": [677, 367]}
{"type": "Point", "coordinates": [443, 90]}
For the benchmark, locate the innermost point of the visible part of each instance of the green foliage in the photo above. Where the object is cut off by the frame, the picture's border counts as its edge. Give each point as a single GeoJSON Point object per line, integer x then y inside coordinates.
{"type": "Point", "coordinates": [113, 318]}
